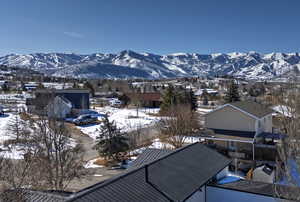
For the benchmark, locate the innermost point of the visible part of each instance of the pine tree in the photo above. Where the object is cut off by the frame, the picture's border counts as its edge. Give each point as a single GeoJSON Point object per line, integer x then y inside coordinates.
{"type": "Point", "coordinates": [169, 99]}
{"type": "Point", "coordinates": [205, 97]}
{"type": "Point", "coordinates": [232, 94]}
{"type": "Point", "coordinates": [75, 85]}
{"type": "Point", "coordinates": [192, 100]}
{"type": "Point", "coordinates": [89, 86]}
{"type": "Point", "coordinates": [111, 141]}
{"type": "Point", "coordinates": [40, 86]}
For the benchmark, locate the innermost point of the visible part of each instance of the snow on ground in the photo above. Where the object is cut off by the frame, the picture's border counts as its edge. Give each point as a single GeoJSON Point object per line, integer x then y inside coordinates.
{"type": "Point", "coordinates": [156, 144]}
{"type": "Point", "coordinates": [284, 110]}
{"type": "Point", "coordinates": [91, 164]}
{"type": "Point", "coordinates": [125, 119]}
{"type": "Point", "coordinates": [15, 96]}
{"type": "Point", "coordinates": [4, 122]}
{"type": "Point", "coordinates": [203, 110]}
{"type": "Point", "coordinates": [13, 152]}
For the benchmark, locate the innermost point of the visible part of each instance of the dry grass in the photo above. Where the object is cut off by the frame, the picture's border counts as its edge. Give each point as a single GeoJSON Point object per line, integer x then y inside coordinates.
{"type": "Point", "coordinates": [101, 162]}
{"type": "Point", "coordinates": [25, 116]}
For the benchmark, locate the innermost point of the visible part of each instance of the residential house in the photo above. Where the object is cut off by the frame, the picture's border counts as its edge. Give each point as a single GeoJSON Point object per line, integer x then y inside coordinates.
{"type": "Point", "coordinates": [146, 99]}
{"type": "Point", "coordinates": [45, 100]}
{"type": "Point", "coordinates": [209, 91]}
{"type": "Point", "coordinates": [243, 131]}
{"type": "Point", "coordinates": [59, 107]}
{"type": "Point", "coordinates": [186, 174]}
{"type": "Point", "coordinates": [244, 116]}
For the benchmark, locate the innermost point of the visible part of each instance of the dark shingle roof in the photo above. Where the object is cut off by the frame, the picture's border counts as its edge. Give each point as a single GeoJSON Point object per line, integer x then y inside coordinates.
{"type": "Point", "coordinates": [184, 171]}
{"type": "Point", "coordinates": [253, 108]}
{"type": "Point", "coordinates": [148, 156]}
{"type": "Point", "coordinates": [161, 176]}
{"type": "Point", "coordinates": [35, 196]}
{"type": "Point", "coordinates": [130, 187]}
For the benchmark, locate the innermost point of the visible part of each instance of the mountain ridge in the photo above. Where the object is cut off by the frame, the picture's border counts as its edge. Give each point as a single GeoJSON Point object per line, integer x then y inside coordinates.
{"type": "Point", "coordinates": [131, 64]}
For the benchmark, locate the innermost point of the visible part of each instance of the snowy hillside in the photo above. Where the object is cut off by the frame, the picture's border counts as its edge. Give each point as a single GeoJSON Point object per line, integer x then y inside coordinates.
{"type": "Point", "coordinates": [129, 64]}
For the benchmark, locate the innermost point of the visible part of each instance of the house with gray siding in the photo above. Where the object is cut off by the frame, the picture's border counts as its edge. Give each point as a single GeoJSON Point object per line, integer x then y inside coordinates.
{"type": "Point", "coordinates": [243, 131]}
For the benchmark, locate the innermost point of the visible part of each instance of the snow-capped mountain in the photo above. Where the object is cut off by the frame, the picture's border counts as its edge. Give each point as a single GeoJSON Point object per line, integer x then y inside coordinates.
{"type": "Point", "coordinates": [130, 64]}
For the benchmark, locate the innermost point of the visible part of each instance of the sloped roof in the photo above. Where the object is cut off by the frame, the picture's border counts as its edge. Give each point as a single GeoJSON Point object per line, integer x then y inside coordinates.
{"type": "Point", "coordinates": [171, 177]}
{"type": "Point", "coordinates": [253, 108]}
{"type": "Point", "coordinates": [129, 187]}
{"type": "Point", "coordinates": [34, 196]}
{"type": "Point", "coordinates": [148, 156]}
{"type": "Point", "coordinates": [184, 171]}
{"type": "Point", "coordinates": [62, 91]}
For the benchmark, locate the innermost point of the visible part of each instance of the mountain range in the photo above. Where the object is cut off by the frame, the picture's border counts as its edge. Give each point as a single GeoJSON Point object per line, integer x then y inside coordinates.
{"type": "Point", "coordinates": [130, 64]}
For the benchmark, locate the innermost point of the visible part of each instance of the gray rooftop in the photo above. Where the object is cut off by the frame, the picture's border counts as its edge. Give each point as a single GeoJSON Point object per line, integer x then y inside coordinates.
{"type": "Point", "coordinates": [159, 175]}
{"type": "Point", "coordinates": [148, 156]}
{"type": "Point", "coordinates": [62, 91]}
{"type": "Point", "coordinates": [253, 108]}
{"type": "Point", "coordinates": [167, 177]}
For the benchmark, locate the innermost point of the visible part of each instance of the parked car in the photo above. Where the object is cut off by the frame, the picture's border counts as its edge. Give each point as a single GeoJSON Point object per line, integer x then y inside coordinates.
{"type": "Point", "coordinates": [85, 119]}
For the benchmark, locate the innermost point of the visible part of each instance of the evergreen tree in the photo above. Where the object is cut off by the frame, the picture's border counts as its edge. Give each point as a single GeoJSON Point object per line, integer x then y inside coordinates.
{"type": "Point", "coordinates": [173, 98]}
{"type": "Point", "coordinates": [194, 104]}
{"type": "Point", "coordinates": [169, 99]}
{"type": "Point", "coordinates": [40, 86]}
{"type": "Point", "coordinates": [23, 88]}
{"type": "Point", "coordinates": [111, 141]}
{"type": "Point", "coordinates": [5, 87]}
{"type": "Point", "coordinates": [232, 94]}
{"type": "Point", "coordinates": [205, 97]}
{"type": "Point", "coordinates": [89, 86]}
{"type": "Point", "coordinates": [75, 85]}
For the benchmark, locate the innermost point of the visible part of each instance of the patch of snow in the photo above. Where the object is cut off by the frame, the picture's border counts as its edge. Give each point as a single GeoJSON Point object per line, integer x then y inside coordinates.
{"type": "Point", "coordinates": [125, 120]}
{"type": "Point", "coordinates": [91, 164]}
{"type": "Point", "coordinates": [14, 152]}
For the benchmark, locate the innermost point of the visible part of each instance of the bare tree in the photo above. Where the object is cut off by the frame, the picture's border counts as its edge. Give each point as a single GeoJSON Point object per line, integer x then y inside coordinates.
{"type": "Point", "coordinates": [288, 167]}
{"type": "Point", "coordinates": [17, 127]}
{"type": "Point", "coordinates": [181, 123]}
{"type": "Point", "coordinates": [58, 158]}
{"type": "Point", "coordinates": [136, 100]}
{"type": "Point", "coordinates": [16, 174]}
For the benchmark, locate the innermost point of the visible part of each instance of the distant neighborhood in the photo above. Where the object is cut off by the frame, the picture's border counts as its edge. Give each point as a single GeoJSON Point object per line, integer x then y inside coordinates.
{"type": "Point", "coordinates": [187, 139]}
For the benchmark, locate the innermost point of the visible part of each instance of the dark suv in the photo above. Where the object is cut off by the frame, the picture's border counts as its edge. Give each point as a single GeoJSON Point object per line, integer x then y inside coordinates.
{"type": "Point", "coordinates": [85, 119]}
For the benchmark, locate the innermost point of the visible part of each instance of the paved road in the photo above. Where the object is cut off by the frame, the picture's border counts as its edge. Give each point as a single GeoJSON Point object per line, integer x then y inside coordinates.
{"type": "Point", "coordinates": [85, 141]}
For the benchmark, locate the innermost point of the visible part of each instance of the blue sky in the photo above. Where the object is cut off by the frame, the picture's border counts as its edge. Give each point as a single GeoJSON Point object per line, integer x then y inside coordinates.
{"type": "Point", "coordinates": [158, 26]}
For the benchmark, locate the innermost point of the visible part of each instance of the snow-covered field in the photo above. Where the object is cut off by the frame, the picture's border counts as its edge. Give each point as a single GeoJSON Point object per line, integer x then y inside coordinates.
{"type": "Point", "coordinates": [125, 119]}
{"type": "Point", "coordinates": [15, 96]}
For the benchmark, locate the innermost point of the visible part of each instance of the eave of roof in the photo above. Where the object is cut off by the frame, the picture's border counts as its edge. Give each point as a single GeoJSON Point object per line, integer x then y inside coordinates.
{"type": "Point", "coordinates": [261, 111]}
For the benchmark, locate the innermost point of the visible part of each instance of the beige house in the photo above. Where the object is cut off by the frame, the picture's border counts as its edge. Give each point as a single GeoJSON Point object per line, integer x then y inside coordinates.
{"type": "Point", "coordinates": [243, 116]}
